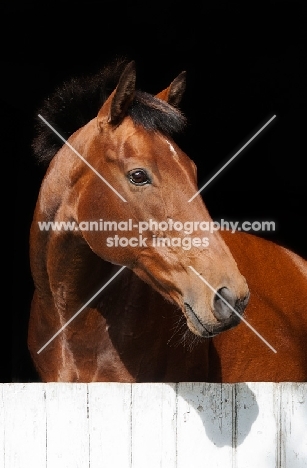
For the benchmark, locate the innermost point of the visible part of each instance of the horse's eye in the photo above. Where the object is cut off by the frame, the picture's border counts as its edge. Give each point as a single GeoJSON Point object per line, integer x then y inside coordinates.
{"type": "Point", "coordinates": [139, 177]}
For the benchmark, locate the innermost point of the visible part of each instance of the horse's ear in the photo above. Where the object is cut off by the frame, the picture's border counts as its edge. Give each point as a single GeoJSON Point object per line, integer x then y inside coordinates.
{"type": "Point", "coordinates": [173, 94]}
{"type": "Point", "coordinates": [118, 102]}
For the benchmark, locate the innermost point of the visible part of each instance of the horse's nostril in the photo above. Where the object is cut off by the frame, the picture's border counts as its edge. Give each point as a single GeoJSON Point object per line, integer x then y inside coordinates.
{"type": "Point", "coordinates": [222, 311]}
{"type": "Point", "coordinates": [245, 300]}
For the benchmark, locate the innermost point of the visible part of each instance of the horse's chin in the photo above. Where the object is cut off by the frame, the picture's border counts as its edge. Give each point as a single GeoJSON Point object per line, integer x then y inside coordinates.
{"type": "Point", "coordinates": [195, 324]}
{"type": "Point", "coordinates": [199, 328]}
{"type": "Point", "coordinates": [202, 333]}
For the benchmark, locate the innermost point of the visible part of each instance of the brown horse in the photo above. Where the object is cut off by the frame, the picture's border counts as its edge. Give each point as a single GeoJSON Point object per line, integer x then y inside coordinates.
{"type": "Point", "coordinates": [118, 191]}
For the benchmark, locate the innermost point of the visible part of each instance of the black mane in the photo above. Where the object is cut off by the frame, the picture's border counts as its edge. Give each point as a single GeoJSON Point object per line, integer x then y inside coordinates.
{"type": "Point", "coordinates": [78, 101]}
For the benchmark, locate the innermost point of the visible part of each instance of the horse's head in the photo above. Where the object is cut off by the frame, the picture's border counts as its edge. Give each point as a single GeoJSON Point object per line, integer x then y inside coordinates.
{"type": "Point", "coordinates": [156, 232]}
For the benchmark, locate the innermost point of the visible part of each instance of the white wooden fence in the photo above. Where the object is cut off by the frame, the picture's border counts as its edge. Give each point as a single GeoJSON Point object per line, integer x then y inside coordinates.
{"type": "Point", "coordinates": [186, 425]}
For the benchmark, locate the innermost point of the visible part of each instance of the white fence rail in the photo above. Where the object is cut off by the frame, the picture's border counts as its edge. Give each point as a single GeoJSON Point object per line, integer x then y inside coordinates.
{"type": "Point", "coordinates": [186, 425]}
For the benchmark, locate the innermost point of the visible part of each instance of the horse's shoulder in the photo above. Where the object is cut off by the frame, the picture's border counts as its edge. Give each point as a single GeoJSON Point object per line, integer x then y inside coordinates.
{"type": "Point", "coordinates": [299, 262]}
{"type": "Point", "coordinates": [255, 247]}
{"type": "Point", "coordinates": [262, 260]}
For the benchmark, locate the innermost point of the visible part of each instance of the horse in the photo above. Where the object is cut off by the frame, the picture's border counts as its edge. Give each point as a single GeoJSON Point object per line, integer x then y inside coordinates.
{"type": "Point", "coordinates": [127, 288]}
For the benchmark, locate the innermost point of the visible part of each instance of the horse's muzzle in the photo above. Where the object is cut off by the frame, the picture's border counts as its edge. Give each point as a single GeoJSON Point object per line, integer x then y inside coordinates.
{"type": "Point", "coordinates": [227, 310]}
{"type": "Point", "coordinates": [226, 304]}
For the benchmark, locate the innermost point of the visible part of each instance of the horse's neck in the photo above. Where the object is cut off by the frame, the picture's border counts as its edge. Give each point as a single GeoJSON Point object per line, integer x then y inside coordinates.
{"type": "Point", "coordinates": [65, 270]}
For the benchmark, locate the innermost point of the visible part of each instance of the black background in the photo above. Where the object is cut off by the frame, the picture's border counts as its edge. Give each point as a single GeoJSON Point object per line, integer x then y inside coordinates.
{"type": "Point", "coordinates": [245, 62]}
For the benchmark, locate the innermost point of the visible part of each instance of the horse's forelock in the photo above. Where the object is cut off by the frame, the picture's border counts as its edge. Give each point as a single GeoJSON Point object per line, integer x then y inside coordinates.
{"type": "Point", "coordinates": [155, 114]}
{"type": "Point", "coordinates": [78, 101]}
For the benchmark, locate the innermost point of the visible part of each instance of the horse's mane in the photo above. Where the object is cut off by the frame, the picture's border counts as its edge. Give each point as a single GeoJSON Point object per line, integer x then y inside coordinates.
{"type": "Point", "coordinates": [78, 101]}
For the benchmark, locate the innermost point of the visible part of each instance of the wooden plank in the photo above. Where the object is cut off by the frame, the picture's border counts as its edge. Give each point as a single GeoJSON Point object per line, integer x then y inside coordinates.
{"type": "Point", "coordinates": [24, 419]}
{"type": "Point", "coordinates": [293, 435]}
{"type": "Point", "coordinates": [67, 425]}
{"type": "Point", "coordinates": [154, 425]}
{"type": "Point", "coordinates": [204, 425]}
{"type": "Point", "coordinates": [110, 425]}
{"type": "Point", "coordinates": [256, 428]}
